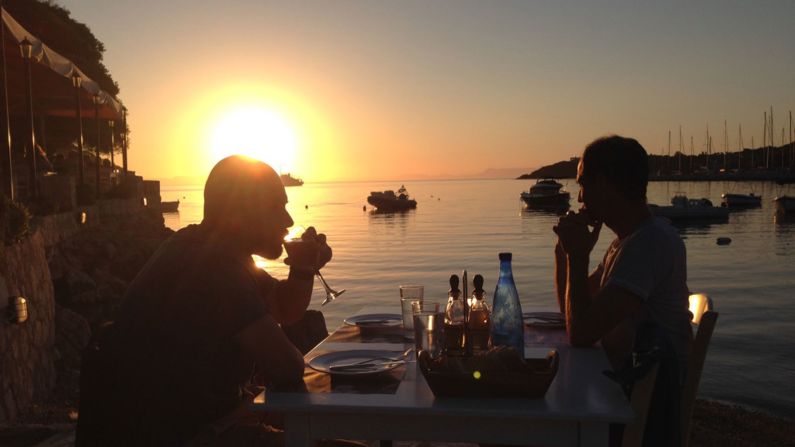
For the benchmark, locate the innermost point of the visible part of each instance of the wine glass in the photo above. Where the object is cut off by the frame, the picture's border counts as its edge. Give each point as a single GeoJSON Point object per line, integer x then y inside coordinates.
{"type": "Point", "coordinates": [294, 244]}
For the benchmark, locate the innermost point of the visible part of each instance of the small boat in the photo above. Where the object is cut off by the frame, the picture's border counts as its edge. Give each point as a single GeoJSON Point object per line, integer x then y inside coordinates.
{"type": "Point", "coordinates": [389, 201]}
{"type": "Point", "coordinates": [740, 200]}
{"type": "Point", "coordinates": [785, 204]}
{"type": "Point", "coordinates": [289, 180]}
{"type": "Point", "coordinates": [546, 194]}
{"type": "Point", "coordinates": [169, 207]}
{"type": "Point", "coordinates": [683, 208]}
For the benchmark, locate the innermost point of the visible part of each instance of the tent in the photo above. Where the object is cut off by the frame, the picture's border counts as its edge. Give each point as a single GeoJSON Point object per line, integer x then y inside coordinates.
{"type": "Point", "coordinates": [53, 91]}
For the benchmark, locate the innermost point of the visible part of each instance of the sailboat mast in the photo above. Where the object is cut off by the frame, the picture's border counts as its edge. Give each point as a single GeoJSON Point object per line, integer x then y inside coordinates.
{"type": "Point", "coordinates": [725, 146]}
{"type": "Point", "coordinates": [753, 148]}
{"type": "Point", "coordinates": [764, 143]}
{"type": "Point", "coordinates": [740, 150]}
{"type": "Point", "coordinates": [692, 154]}
{"type": "Point", "coordinates": [680, 150]}
{"type": "Point", "coordinates": [668, 159]}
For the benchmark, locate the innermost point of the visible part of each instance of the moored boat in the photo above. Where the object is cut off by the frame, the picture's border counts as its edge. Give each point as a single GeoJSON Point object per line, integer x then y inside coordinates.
{"type": "Point", "coordinates": [389, 201]}
{"type": "Point", "coordinates": [741, 200]}
{"type": "Point", "coordinates": [546, 194]}
{"type": "Point", "coordinates": [683, 208]}
{"type": "Point", "coordinates": [169, 207]}
{"type": "Point", "coordinates": [785, 204]}
{"type": "Point", "coordinates": [289, 180]}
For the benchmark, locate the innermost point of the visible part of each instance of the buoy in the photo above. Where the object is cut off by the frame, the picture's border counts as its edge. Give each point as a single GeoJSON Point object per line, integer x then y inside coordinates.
{"type": "Point", "coordinates": [306, 207]}
{"type": "Point", "coordinates": [724, 241]}
{"type": "Point", "coordinates": [364, 208]}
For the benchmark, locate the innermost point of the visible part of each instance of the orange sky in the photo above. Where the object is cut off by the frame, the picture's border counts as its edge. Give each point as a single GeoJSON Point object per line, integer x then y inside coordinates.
{"type": "Point", "coordinates": [382, 90]}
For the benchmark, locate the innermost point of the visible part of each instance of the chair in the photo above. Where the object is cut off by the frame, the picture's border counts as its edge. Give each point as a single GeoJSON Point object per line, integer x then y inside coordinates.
{"type": "Point", "coordinates": [640, 401]}
{"type": "Point", "coordinates": [704, 317]}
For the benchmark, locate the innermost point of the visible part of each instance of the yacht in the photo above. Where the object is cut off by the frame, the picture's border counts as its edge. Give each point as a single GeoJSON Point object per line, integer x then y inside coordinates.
{"type": "Point", "coordinates": [683, 208]}
{"type": "Point", "coordinates": [388, 201]}
{"type": "Point", "coordinates": [741, 200]}
{"type": "Point", "coordinates": [785, 204]}
{"type": "Point", "coordinates": [546, 194]}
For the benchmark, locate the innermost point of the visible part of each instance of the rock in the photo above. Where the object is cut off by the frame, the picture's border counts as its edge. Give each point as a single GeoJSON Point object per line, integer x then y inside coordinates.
{"type": "Point", "coordinates": [72, 334]}
{"type": "Point", "coordinates": [307, 332]}
{"type": "Point", "coordinates": [78, 282]}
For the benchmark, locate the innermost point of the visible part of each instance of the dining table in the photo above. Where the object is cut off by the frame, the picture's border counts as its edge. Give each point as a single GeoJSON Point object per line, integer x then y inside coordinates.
{"type": "Point", "coordinates": [398, 405]}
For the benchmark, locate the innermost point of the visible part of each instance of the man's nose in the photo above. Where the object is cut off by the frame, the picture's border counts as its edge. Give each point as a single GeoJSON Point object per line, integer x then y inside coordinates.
{"type": "Point", "coordinates": [289, 222]}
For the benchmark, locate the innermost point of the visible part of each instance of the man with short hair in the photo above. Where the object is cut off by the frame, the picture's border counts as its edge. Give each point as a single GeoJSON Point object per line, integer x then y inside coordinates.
{"type": "Point", "coordinates": [643, 276]}
{"type": "Point", "coordinates": [200, 317]}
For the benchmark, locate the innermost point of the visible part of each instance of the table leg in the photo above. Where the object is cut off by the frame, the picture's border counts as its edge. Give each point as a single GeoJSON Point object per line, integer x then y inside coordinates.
{"type": "Point", "coordinates": [296, 430]}
{"type": "Point", "coordinates": [594, 434]}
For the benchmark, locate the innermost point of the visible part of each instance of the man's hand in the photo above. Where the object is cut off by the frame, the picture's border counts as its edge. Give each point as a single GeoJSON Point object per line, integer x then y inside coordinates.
{"type": "Point", "coordinates": [574, 236]}
{"type": "Point", "coordinates": [313, 252]}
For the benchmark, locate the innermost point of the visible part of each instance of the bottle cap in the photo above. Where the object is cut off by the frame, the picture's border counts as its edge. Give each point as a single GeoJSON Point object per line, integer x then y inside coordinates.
{"type": "Point", "coordinates": [506, 256]}
{"type": "Point", "coordinates": [454, 283]}
{"type": "Point", "coordinates": [478, 282]}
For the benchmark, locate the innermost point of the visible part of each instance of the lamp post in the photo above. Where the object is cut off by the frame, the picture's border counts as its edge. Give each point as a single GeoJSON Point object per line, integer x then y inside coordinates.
{"type": "Point", "coordinates": [9, 169]}
{"type": "Point", "coordinates": [77, 82]}
{"type": "Point", "coordinates": [26, 48]}
{"type": "Point", "coordinates": [97, 101]}
{"type": "Point", "coordinates": [124, 142]}
{"type": "Point", "coordinates": [112, 150]}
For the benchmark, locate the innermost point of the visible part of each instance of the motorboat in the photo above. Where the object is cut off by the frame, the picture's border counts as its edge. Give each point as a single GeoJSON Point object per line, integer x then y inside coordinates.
{"type": "Point", "coordinates": [741, 200]}
{"type": "Point", "coordinates": [388, 201]}
{"type": "Point", "coordinates": [546, 194]}
{"type": "Point", "coordinates": [289, 180]}
{"type": "Point", "coordinates": [683, 208]}
{"type": "Point", "coordinates": [169, 207]}
{"type": "Point", "coordinates": [785, 204]}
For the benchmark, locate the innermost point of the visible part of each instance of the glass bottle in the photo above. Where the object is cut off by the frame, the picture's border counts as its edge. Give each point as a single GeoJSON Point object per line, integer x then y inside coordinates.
{"type": "Point", "coordinates": [478, 320]}
{"type": "Point", "coordinates": [507, 327]}
{"type": "Point", "coordinates": [454, 320]}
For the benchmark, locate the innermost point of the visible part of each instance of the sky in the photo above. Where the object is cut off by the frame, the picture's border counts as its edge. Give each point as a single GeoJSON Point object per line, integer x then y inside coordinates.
{"type": "Point", "coordinates": [383, 90]}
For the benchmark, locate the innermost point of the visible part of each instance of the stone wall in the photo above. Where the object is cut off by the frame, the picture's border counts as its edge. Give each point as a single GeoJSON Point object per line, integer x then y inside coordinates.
{"type": "Point", "coordinates": [27, 354]}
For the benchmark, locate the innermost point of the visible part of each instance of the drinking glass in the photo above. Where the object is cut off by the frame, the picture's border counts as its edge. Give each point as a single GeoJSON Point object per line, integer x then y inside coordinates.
{"type": "Point", "coordinates": [293, 244]}
{"type": "Point", "coordinates": [410, 294]}
{"type": "Point", "coordinates": [428, 328]}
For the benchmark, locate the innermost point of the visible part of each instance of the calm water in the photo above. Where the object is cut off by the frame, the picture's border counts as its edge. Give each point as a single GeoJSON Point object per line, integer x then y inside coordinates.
{"type": "Point", "coordinates": [464, 224]}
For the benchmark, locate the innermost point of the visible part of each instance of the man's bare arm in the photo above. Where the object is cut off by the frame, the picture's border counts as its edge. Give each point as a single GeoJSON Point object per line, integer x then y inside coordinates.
{"type": "Point", "coordinates": [561, 278]}
{"type": "Point", "coordinates": [278, 359]}
{"type": "Point", "coordinates": [289, 299]}
{"type": "Point", "coordinates": [587, 319]}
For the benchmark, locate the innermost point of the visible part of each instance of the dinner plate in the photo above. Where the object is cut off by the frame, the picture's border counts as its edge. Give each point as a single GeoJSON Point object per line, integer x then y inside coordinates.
{"type": "Point", "coordinates": [365, 362]}
{"type": "Point", "coordinates": [374, 320]}
{"type": "Point", "coordinates": [544, 319]}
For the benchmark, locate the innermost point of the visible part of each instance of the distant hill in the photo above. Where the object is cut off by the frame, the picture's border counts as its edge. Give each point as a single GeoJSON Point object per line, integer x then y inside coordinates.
{"type": "Point", "coordinates": [561, 169]}
{"type": "Point", "coordinates": [497, 173]}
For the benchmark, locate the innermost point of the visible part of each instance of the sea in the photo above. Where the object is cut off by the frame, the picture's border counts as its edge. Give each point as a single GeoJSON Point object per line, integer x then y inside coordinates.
{"type": "Point", "coordinates": [464, 224]}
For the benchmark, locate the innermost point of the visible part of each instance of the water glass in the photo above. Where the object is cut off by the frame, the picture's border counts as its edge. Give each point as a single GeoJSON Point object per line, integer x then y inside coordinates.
{"type": "Point", "coordinates": [428, 328]}
{"type": "Point", "coordinates": [406, 305]}
{"type": "Point", "coordinates": [409, 294]}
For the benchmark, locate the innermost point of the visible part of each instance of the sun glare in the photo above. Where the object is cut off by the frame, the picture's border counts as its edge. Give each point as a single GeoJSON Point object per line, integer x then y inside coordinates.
{"type": "Point", "coordinates": [258, 133]}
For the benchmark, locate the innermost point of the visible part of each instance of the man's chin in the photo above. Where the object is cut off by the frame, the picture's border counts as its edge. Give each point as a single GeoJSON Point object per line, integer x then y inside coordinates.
{"type": "Point", "coordinates": [270, 252]}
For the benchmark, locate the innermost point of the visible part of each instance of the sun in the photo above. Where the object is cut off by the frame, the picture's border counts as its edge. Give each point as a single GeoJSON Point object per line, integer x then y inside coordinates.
{"type": "Point", "coordinates": [256, 132]}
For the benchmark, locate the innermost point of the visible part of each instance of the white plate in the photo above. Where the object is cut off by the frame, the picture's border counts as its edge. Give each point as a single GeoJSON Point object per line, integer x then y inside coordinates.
{"type": "Point", "coordinates": [327, 363]}
{"type": "Point", "coordinates": [369, 320]}
{"type": "Point", "coordinates": [544, 319]}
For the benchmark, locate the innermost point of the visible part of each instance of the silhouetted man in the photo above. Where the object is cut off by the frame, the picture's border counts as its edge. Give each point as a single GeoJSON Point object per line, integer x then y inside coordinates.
{"type": "Point", "coordinates": [643, 276]}
{"type": "Point", "coordinates": [200, 316]}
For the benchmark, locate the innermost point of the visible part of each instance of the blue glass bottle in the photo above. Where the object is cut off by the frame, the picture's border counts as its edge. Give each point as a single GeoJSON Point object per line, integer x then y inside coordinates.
{"type": "Point", "coordinates": [507, 327]}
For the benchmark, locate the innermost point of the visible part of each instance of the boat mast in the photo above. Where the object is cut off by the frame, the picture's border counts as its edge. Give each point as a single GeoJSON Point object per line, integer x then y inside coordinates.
{"type": "Point", "coordinates": [708, 148]}
{"type": "Point", "coordinates": [725, 146]}
{"type": "Point", "coordinates": [752, 152]}
{"type": "Point", "coordinates": [764, 144]}
{"type": "Point", "coordinates": [740, 151]}
{"type": "Point", "coordinates": [692, 154]}
{"type": "Point", "coordinates": [772, 142]}
{"type": "Point", "coordinates": [668, 159]}
{"type": "Point", "coordinates": [680, 150]}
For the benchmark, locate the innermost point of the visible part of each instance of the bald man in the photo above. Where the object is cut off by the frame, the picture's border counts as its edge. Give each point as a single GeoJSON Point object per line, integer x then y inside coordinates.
{"type": "Point", "coordinates": [200, 317]}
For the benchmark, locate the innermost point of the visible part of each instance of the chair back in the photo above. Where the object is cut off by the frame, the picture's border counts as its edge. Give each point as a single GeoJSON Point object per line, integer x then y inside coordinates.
{"type": "Point", "coordinates": [705, 317]}
{"type": "Point", "coordinates": [640, 401]}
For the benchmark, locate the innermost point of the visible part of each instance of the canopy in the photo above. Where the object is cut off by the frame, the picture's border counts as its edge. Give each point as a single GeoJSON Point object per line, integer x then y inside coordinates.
{"type": "Point", "coordinates": [51, 73]}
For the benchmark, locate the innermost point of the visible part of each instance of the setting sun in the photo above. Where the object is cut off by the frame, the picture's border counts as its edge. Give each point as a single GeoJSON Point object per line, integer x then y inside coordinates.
{"type": "Point", "coordinates": [258, 133]}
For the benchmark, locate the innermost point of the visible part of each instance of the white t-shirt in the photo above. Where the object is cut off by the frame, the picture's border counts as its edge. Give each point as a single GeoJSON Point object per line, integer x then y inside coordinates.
{"type": "Point", "coordinates": [652, 264]}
